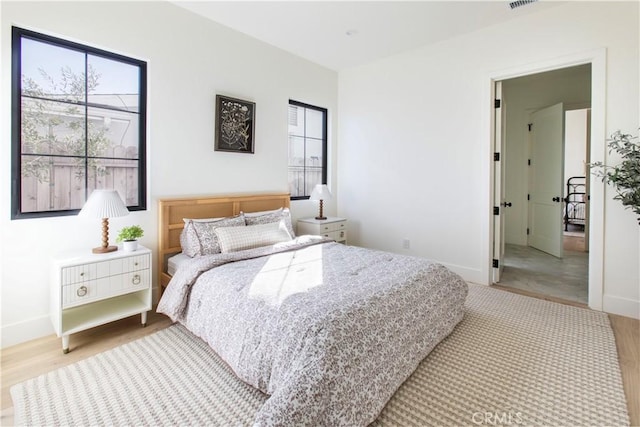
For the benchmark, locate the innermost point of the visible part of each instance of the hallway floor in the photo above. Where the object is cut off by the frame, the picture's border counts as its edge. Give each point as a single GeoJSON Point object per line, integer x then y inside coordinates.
{"type": "Point", "coordinates": [532, 270]}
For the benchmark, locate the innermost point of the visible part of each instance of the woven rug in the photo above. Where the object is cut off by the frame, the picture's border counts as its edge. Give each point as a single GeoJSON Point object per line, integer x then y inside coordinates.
{"type": "Point", "coordinates": [513, 360]}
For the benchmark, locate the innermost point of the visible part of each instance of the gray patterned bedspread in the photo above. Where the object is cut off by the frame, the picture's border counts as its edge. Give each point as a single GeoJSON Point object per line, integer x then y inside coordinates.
{"type": "Point", "coordinates": [328, 331]}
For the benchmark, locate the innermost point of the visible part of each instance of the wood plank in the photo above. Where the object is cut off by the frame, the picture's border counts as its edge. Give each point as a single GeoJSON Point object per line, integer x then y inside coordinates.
{"type": "Point", "coordinates": [627, 333]}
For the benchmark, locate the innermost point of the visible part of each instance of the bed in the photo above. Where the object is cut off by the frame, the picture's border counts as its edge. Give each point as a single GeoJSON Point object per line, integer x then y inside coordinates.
{"type": "Point", "coordinates": [575, 202]}
{"type": "Point", "coordinates": [328, 331]}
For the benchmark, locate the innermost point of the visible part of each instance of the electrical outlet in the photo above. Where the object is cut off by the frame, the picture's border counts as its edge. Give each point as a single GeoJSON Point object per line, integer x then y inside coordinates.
{"type": "Point", "coordinates": [406, 244]}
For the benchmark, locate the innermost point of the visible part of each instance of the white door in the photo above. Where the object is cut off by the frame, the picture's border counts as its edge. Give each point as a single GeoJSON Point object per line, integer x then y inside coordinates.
{"type": "Point", "coordinates": [498, 185]}
{"type": "Point", "coordinates": [546, 175]}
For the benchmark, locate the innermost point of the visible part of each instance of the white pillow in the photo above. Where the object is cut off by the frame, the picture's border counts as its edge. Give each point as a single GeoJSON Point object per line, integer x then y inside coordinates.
{"type": "Point", "coordinates": [233, 239]}
{"type": "Point", "coordinates": [254, 214]}
{"type": "Point", "coordinates": [276, 215]}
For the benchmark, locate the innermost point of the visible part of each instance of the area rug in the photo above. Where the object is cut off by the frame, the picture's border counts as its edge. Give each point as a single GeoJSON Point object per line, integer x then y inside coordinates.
{"type": "Point", "coordinates": [513, 360]}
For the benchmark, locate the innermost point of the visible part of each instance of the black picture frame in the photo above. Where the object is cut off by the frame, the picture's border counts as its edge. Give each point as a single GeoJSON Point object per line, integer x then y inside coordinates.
{"type": "Point", "coordinates": [235, 125]}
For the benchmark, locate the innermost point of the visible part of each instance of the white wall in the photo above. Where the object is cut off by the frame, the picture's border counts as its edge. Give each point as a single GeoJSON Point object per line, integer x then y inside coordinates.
{"type": "Point", "coordinates": [190, 60]}
{"type": "Point", "coordinates": [575, 144]}
{"type": "Point", "coordinates": [523, 96]}
{"type": "Point", "coordinates": [414, 157]}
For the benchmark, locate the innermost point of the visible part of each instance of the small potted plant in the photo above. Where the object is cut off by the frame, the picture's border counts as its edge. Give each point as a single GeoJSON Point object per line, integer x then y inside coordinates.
{"type": "Point", "coordinates": [129, 237]}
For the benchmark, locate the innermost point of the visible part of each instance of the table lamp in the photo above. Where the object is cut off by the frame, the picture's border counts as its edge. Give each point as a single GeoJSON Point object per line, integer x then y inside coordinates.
{"type": "Point", "coordinates": [104, 204]}
{"type": "Point", "coordinates": [321, 192]}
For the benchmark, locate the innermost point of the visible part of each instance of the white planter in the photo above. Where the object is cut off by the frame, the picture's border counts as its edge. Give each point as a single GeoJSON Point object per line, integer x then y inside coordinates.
{"type": "Point", "coordinates": [130, 245]}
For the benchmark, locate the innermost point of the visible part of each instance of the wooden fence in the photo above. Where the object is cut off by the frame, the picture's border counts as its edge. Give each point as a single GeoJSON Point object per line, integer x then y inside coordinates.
{"type": "Point", "coordinates": [301, 183]}
{"type": "Point", "coordinates": [62, 182]}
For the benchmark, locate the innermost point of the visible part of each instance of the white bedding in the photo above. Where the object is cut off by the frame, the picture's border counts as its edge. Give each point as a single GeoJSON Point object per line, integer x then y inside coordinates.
{"type": "Point", "coordinates": [175, 261]}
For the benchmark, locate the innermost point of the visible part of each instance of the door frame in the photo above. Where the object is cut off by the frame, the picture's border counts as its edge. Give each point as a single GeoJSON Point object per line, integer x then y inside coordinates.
{"type": "Point", "coordinates": [597, 150]}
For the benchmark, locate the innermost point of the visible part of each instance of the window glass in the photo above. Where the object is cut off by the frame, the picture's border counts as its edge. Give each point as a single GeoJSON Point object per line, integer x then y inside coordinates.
{"type": "Point", "coordinates": [51, 71]}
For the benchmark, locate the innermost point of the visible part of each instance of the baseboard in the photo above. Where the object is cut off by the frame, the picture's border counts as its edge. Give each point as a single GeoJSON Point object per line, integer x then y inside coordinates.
{"type": "Point", "coordinates": [621, 306]}
{"type": "Point", "coordinates": [468, 274]}
{"type": "Point", "coordinates": [27, 330]}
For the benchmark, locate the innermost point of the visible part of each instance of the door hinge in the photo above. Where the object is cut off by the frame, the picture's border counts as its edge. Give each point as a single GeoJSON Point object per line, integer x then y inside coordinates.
{"type": "Point", "coordinates": [496, 210]}
{"type": "Point", "coordinates": [528, 162]}
{"type": "Point", "coordinates": [528, 196]}
{"type": "Point", "coordinates": [496, 157]}
{"type": "Point", "coordinates": [527, 231]}
{"type": "Point", "coordinates": [496, 103]}
{"type": "Point", "coordinates": [495, 263]}
{"type": "Point", "coordinates": [530, 125]}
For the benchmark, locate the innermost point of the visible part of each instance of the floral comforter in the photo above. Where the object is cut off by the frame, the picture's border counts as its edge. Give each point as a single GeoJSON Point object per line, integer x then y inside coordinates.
{"type": "Point", "coordinates": [328, 331]}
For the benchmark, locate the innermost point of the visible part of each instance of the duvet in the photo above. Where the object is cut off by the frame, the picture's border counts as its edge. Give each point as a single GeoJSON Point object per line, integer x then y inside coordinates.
{"type": "Point", "coordinates": [328, 331]}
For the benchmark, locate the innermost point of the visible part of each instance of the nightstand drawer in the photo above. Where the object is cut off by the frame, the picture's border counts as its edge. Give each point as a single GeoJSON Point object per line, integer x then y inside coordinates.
{"type": "Point", "coordinates": [136, 280]}
{"type": "Point", "coordinates": [79, 273]}
{"type": "Point", "coordinates": [98, 270]}
{"type": "Point", "coordinates": [338, 236]}
{"type": "Point", "coordinates": [136, 263]}
{"type": "Point", "coordinates": [81, 293]}
{"type": "Point", "coordinates": [94, 290]}
{"type": "Point", "coordinates": [333, 226]}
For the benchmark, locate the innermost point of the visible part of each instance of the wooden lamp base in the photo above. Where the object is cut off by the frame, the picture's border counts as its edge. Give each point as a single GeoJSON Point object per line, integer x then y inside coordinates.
{"type": "Point", "coordinates": [320, 214]}
{"type": "Point", "coordinates": [102, 250]}
{"type": "Point", "coordinates": [105, 240]}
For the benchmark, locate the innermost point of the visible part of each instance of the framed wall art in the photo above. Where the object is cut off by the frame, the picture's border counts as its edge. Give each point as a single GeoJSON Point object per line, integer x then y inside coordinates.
{"type": "Point", "coordinates": [235, 121]}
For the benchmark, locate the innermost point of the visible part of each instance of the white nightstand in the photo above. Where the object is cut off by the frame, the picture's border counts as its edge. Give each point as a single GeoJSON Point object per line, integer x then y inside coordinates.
{"type": "Point", "coordinates": [89, 289]}
{"type": "Point", "coordinates": [332, 227]}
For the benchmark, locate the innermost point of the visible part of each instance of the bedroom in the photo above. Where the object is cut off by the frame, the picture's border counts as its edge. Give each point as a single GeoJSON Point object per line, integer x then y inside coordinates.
{"type": "Point", "coordinates": [191, 59]}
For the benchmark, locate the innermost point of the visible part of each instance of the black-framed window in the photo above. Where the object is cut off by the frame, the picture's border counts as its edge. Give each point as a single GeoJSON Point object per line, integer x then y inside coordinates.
{"type": "Point", "coordinates": [78, 124]}
{"type": "Point", "coordinates": [307, 148]}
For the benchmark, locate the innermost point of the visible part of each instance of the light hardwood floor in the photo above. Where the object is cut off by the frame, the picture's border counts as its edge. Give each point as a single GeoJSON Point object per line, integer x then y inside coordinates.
{"type": "Point", "coordinates": [36, 357]}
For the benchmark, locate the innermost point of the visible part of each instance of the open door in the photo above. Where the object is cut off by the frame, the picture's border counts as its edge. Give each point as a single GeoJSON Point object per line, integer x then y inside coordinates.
{"type": "Point", "coordinates": [546, 185]}
{"type": "Point", "coordinates": [498, 185]}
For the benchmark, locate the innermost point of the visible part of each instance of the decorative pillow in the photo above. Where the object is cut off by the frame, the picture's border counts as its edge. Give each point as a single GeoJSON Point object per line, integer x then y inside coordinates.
{"type": "Point", "coordinates": [199, 237]}
{"type": "Point", "coordinates": [233, 239]}
{"type": "Point", "coordinates": [266, 217]}
{"type": "Point", "coordinates": [186, 220]}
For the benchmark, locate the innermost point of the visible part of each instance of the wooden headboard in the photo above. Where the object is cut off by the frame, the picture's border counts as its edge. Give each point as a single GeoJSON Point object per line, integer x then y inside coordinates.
{"type": "Point", "coordinates": [172, 211]}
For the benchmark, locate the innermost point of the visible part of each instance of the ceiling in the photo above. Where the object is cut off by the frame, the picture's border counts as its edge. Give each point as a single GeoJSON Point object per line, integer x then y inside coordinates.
{"type": "Point", "coordinates": [318, 30]}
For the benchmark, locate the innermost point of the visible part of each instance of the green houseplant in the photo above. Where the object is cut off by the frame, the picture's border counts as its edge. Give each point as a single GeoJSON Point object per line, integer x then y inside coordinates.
{"type": "Point", "coordinates": [129, 237]}
{"type": "Point", "coordinates": [624, 177]}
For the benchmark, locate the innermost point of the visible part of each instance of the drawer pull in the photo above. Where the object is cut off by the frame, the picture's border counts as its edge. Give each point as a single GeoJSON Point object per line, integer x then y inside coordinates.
{"type": "Point", "coordinates": [136, 279]}
{"type": "Point", "coordinates": [135, 263]}
{"type": "Point", "coordinates": [82, 291]}
{"type": "Point", "coordinates": [82, 274]}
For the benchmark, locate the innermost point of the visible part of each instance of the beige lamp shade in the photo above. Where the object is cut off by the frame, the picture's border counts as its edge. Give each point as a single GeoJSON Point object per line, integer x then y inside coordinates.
{"type": "Point", "coordinates": [321, 192]}
{"type": "Point", "coordinates": [104, 204]}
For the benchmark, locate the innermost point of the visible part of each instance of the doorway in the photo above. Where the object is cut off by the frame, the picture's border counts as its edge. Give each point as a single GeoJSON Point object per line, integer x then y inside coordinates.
{"type": "Point", "coordinates": [539, 156]}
